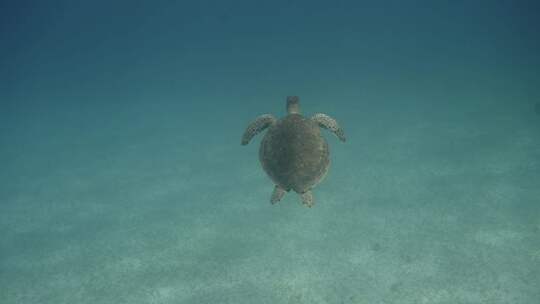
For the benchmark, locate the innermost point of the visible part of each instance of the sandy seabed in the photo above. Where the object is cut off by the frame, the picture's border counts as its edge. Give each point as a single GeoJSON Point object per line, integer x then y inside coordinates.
{"type": "Point", "coordinates": [422, 211]}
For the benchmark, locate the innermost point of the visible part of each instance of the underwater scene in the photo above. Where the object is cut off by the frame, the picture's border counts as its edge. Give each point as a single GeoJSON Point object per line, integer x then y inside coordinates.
{"type": "Point", "coordinates": [348, 152]}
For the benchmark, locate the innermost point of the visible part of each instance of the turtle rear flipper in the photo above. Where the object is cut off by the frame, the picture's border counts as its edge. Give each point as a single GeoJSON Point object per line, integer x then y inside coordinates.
{"type": "Point", "coordinates": [307, 198]}
{"type": "Point", "coordinates": [327, 122]}
{"type": "Point", "coordinates": [257, 126]}
{"type": "Point", "coordinates": [277, 195]}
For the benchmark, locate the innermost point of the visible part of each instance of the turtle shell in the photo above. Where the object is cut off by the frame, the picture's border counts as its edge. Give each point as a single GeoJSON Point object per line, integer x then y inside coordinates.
{"type": "Point", "coordinates": [294, 154]}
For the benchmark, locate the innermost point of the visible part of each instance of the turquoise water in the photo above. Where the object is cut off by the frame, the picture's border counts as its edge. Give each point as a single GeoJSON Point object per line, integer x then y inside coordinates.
{"type": "Point", "coordinates": [123, 179]}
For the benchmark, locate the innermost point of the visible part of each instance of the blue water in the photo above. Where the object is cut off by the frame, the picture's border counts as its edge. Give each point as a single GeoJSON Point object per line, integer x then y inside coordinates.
{"type": "Point", "coordinates": [123, 179]}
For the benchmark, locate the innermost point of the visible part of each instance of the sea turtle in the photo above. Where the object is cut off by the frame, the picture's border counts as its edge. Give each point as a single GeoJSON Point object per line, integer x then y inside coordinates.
{"type": "Point", "coordinates": [293, 153]}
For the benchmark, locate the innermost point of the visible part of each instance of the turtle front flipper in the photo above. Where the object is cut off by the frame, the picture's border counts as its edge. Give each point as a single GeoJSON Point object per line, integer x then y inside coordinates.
{"type": "Point", "coordinates": [327, 122]}
{"type": "Point", "coordinates": [307, 198]}
{"type": "Point", "coordinates": [277, 195]}
{"type": "Point", "coordinates": [255, 127]}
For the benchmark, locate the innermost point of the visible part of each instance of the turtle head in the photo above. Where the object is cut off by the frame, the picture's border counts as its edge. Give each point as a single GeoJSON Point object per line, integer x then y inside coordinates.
{"type": "Point", "coordinates": [293, 105]}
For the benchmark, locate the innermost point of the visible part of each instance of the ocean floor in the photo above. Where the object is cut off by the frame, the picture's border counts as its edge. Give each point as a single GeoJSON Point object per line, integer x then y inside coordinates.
{"type": "Point", "coordinates": [147, 208]}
